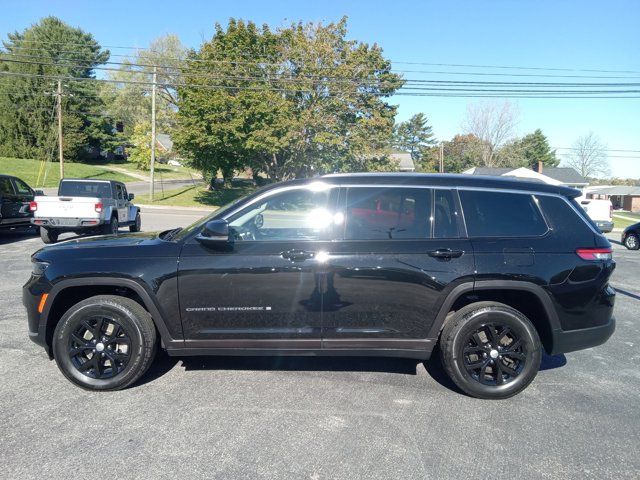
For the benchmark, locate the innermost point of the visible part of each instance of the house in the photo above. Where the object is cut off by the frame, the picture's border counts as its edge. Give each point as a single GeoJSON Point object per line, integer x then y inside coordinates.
{"type": "Point", "coordinates": [164, 146]}
{"type": "Point", "coordinates": [404, 161]}
{"type": "Point", "coordinates": [622, 196]}
{"type": "Point", "coordinates": [565, 176]}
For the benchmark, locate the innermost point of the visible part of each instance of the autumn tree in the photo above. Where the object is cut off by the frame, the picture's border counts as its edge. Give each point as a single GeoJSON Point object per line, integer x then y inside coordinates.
{"type": "Point", "coordinates": [494, 124]}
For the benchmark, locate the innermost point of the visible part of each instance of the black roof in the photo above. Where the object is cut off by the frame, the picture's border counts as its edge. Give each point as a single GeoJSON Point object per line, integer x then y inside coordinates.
{"type": "Point", "coordinates": [449, 180]}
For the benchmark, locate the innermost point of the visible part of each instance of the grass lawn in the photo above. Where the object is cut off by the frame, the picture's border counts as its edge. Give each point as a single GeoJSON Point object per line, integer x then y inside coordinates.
{"type": "Point", "coordinates": [197, 196]}
{"type": "Point", "coordinates": [619, 222]}
{"type": "Point", "coordinates": [28, 169]}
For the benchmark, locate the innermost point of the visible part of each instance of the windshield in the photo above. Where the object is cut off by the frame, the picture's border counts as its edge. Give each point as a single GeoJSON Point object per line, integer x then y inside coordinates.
{"type": "Point", "coordinates": [217, 213]}
{"type": "Point", "coordinates": [84, 189]}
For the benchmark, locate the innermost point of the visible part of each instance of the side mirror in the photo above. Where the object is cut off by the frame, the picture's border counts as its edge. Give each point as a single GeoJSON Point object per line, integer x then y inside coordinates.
{"type": "Point", "coordinates": [38, 193]}
{"type": "Point", "coordinates": [131, 196]}
{"type": "Point", "coordinates": [215, 232]}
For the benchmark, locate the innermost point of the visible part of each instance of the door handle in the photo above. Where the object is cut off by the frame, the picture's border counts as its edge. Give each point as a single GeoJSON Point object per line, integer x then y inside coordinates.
{"type": "Point", "coordinates": [297, 255]}
{"type": "Point", "coordinates": [445, 253]}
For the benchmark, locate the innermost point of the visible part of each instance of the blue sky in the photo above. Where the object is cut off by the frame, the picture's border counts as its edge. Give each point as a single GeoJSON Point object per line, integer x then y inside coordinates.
{"type": "Point", "coordinates": [580, 34]}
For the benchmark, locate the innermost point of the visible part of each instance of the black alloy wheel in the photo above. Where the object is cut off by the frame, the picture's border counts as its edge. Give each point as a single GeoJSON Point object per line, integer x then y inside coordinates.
{"type": "Point", "coordinates": [490, 350]}
{"type": "Point", "coordinates": [100, 347]}
{"type": "Point", "coordinates": [494, 354]}
{"type": "Point", "coordinates": [105, 342]}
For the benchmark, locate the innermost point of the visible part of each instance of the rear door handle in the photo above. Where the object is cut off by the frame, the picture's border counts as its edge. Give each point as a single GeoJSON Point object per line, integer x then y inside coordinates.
{"type": "Point", "coordinates": [297, 255]}
{"type": "Point", "coordinates": [445, 253]}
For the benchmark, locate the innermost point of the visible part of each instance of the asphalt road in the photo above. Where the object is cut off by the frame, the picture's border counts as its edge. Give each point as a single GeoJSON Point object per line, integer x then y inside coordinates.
{"type": "Point", "coordinates": [315, 418]}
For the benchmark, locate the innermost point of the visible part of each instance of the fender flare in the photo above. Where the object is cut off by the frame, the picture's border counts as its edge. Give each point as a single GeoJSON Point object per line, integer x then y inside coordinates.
{"type": "Point", "coordinates": [149, 302]}
{"type": "Point", "coordinates": [463, 288]}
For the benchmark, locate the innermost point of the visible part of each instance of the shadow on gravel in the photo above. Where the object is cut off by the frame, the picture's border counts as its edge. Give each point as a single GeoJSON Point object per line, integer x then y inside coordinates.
{"type": "Point", "coordinates": [628, 294]}
{"type": "Point", "coordinates": [405, 366]}
{"type": "Point", "coordinates": [17, 235]}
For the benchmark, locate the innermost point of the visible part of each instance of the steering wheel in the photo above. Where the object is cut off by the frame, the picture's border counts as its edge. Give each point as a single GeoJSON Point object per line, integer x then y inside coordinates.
{"type": "Point", "coordinates": [243, 233]}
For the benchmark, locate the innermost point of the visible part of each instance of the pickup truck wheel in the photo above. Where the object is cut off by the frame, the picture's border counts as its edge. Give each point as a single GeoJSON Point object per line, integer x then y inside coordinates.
{"type": "Point", "coordinates": [112, 227]}
{"type": "Point", "coordinates": [136, 226]}
{"type": "Point", "coordinates": [48, 235]}
{"type": "Point", "coordinates": [105, 342]}
{"type": "Point", "coordinates": [490, 350]}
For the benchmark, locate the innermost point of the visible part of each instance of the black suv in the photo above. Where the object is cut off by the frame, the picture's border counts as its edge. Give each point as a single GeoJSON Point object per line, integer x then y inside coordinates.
{"type": "Point", "coordinates": [487, 270]}
{"type": "Point", "coordinates": [15, 197]}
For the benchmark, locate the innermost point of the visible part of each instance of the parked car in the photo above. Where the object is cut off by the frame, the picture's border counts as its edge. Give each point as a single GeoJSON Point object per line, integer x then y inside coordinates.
{"type": "Point", "coordinates": [600, 211]}
{"type": "Point", "coordinates": [85, 206]}
{"type": "Point", "coordinates": [631, 237]}
{"type": "Point", "coordinates": [15, 196]}
{"type": "Point", "coordinates": [490, 270]}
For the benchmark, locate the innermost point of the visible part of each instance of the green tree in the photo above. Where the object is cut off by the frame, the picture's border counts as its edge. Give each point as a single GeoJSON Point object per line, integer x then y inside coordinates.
{"type": "Point", "coordinates": [130, 102]}
{"type": "Point", "coordinates": [460, 153]}
{"type": "Point", "coordinates": [299, 101]}
{"type": "Point", "coordinates": [414, 136]}
{"type": "Point", "coordinates": [140, 146]}
{"type": "Point", "coordinates": [535, 148]}
{"type": "Point", "coordinates": [34, 59]}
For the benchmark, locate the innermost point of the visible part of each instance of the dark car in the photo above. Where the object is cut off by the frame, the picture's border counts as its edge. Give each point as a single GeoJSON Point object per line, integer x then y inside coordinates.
{"type": "Point", "coordinates": [15, 197]}
{"type": "Point", "coordinates": [488, 270]}
{"type": "Point", "coordinates": [631, 236]}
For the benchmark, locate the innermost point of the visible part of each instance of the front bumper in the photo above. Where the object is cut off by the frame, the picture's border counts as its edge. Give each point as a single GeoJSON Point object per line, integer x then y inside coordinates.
{"type": "Point", "coordinates": [565, 341]}
{"type": "Point", "coordinates": [31, 296]}
{"type": "Point", "coordinates": [67, 222]}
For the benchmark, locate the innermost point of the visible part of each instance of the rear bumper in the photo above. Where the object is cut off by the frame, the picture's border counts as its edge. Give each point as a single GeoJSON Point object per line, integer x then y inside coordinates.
{"type": "Point", "coordinates": [565, 341]}
{"type": "Point", "coordinates": [604, 227]}
{"type": "Point", "coordinates": [67, 223]}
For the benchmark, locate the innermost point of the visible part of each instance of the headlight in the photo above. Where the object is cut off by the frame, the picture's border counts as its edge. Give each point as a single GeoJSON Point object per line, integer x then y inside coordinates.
{"type": "Point", "coordinates": [38, 268]}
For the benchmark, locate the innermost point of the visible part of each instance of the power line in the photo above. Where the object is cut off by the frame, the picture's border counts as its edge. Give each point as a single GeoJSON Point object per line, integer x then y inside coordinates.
{"type": "Point", "coordinates": [263, 64]}
{"type": "Point", "coordinates": [400, 62]}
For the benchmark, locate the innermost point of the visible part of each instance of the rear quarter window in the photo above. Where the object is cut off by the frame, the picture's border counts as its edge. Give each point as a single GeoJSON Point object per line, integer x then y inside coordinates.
{"type": "Point", "coordinates": [564, 219]}
{"type": "Point", "coordinates": [502, 214]}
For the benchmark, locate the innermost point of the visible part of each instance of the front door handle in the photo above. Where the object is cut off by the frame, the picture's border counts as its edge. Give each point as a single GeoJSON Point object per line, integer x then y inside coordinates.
{"type": "Point", "coordinates": [445, 253]}
{"type": "Point", "coordinates": [297, 255]}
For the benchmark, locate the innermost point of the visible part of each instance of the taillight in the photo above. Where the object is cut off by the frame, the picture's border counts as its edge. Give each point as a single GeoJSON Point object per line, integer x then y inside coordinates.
{"type": "Point", "coordinates": [33, 206]}
{"type": "Point", "coordinates": [99, 207]}
{"type": "Point", "coordinates": [595, 253]}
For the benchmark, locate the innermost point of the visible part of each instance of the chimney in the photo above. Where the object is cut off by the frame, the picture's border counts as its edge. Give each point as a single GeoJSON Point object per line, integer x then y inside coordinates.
{"type": "Point", "coordinates": [539, 166]}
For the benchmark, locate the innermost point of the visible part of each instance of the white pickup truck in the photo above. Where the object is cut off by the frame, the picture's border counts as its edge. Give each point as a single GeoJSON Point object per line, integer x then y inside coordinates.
{"type": "Point", "coordinates": [85, 206]}
{"type": "Point", "coordinates": [600, 211]}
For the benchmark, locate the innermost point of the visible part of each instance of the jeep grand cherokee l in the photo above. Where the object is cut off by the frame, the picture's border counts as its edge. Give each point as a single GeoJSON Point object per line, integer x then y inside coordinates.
{"type": "Point", "coordinates": [489, 270]}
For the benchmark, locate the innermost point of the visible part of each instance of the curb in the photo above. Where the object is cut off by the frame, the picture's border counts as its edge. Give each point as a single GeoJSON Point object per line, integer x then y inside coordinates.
{"type": "Point", "coordinates": [175, 207]}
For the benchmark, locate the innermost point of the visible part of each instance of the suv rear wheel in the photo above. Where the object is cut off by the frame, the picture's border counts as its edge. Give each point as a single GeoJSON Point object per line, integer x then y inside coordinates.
{"type": "Point", "coordinates": [105, 342]}
{"type": "Point", "coordinates": [111, 228]}
{"type": "Point", "coordinates": [490, 350]}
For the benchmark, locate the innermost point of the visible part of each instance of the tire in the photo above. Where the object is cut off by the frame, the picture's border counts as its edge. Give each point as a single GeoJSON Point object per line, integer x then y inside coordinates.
{"type": "Point", "coordinates": [48, 235]}
{"type": "Point", "coordinates": [126, 339]}
{"type": "Point", "coordinates": [632, 242]}
{"type": "Point", "coordinates": [137, 225]}
{"type": "Point", "coordinates": [481, 369]}
{"type": "Point", "coordinates": [111, 228]}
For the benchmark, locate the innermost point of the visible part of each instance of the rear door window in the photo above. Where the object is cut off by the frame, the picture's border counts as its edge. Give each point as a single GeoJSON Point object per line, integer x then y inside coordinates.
{"type": "Point", "coordinates": [502, 214]}
{"type": "Point", "coordinates": [5, 186]}
{"type": "Point", "coordinates": [445, 215]}
{"type": "Point", "coordinates": [387, 213]}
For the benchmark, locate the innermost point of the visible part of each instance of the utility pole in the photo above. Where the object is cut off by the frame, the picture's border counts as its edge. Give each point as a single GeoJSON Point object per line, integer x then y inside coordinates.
{"type": "Point", "coordinates": [59, 108]}
{"type": "Point", "coordinates": [441, 157]}
{"type": "Point", "coordinates": [153, 132]}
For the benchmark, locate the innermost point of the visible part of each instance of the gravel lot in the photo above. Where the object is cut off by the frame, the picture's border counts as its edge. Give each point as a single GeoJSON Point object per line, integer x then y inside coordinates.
{"type": "Point", "coordinates": [315, 418]}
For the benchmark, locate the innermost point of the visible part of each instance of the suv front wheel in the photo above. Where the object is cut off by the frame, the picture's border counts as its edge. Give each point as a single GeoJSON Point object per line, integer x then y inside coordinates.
{"type": "Point", "coordinates": [105, 342]}
{"type": "Point", "coordinates": [490, 350]}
